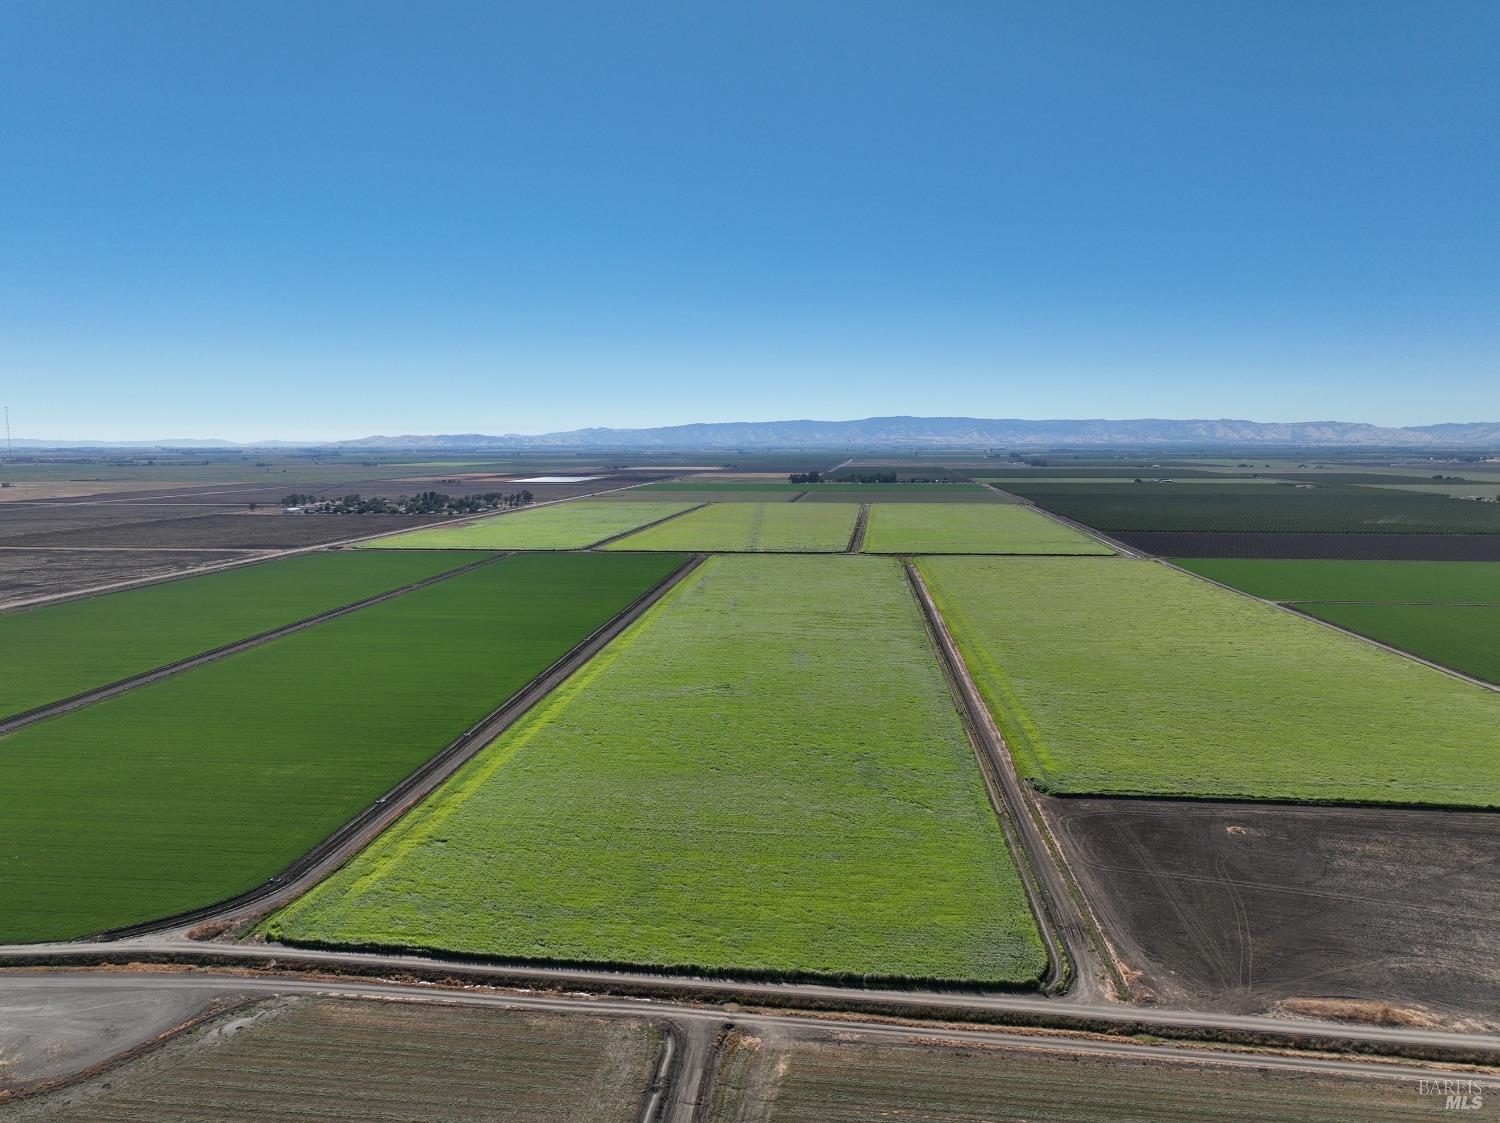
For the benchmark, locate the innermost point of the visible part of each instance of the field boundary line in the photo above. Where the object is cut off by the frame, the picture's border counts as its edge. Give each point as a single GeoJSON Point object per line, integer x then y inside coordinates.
{"type": "Point", "coordinates": [857, 536]}
{"type": "Point", "coordinates": [1098, 536]}
{"type": "Point", "coordinates": [214, 654]}
{"type": "Point", "coordinates": [646, 526]}
{"type": "Point", "coordinates": [1292, 609]}
{"type": "Point", "coordinates": [1064, 966]}
{"type": "Point", "coordinates": [361, 828]}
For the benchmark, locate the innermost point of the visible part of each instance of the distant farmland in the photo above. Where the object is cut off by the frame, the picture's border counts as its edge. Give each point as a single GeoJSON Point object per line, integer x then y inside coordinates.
{"type": "Point", "coordinates": [1118, 676]}
{"type": "Point", "coordinates": [56, 651]}
{"type": "Point", "coordinates": [565, 526]}
{"type": "Point", "coordinates": [717, 792]}
{"type": "Point", "coordinates": [1328, 507]}
{"type": "Point", "coordinates": [979, 528]}
{"type": "Point", "coordinates": [751, 527]}
{"type": "Point", "coordinates": [200, 786]}
{"type": "Point", "coordinates": [1432, 582]}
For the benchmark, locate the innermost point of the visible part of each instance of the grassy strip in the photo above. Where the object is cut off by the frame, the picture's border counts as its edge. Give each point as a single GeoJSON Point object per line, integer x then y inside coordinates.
{"type": "Point", "coordinates": [753, 527]}
{"type": "Point", "coordinates": [201, 786]}
{"type": "Point", "coordinates": [562, 526]}
{"type": "Point", "coordinates": [1433, 582]}
{"type": "Point", "coordinates": [970, 528]}
{"type": "Point", "coordinates": [56, 651]}
{"type": "Point", "coordinates": [1123, 677]}
{"type": "Point", "coordinates": [717, 792]}
{"type": "Point", "coordinates": [1464, 637]}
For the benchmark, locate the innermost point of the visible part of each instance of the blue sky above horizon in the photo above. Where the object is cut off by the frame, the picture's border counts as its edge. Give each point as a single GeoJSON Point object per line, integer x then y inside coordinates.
{"type": "Point", "coordinates": [325, 220]}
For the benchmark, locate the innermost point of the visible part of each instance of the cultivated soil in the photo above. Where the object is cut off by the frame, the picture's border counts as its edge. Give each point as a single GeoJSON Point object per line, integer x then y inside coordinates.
{"type": "Point", "coordinates": [26, 573]}
{"type": "Point", "coordinates": [1242, 907]}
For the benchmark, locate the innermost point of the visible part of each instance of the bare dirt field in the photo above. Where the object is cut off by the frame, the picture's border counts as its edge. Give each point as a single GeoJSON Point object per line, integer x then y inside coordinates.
{"type": "Point", "coordinates": [356, 1060]}
{"type": "Point", "coordinates": [20, 523]}
{"type": "Point", "coordinates": [810, 1078]}
{"type": "Point", "coordinates": [1241, 907]}
{"type": "Point", "coordinates": [25, 574]}
{"type": "Point", "coordinates": [25, 490]}
{"type": "Point", "coordinates": [242, 530]}
{"type": "Point", "coordinates": [1357, 547]}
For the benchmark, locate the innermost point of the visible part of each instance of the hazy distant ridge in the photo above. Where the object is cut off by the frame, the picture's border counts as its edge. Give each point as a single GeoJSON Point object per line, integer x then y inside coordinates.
{"type": "Point", "coordinates": [908, 432]}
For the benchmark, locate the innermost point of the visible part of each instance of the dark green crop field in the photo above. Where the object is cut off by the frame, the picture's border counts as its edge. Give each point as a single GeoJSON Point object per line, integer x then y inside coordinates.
{"type": "Point", "coordinates": [200, 786]}
{"type": "Point", "coordinates": [54, 652]}
{"type": "Point", "coordinates": [717, 791]}
{"type": "Point", "coordinates": [1464, 637]}
{"type": "Point", "coordinates": [1235, 507]}
{"type": "Point", "coordinates": [1435, 582]}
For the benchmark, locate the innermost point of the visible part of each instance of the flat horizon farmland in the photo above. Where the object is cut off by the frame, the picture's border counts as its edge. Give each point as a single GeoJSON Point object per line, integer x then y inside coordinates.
{"type": "Point", "coordinates": [56, 651]}
{"type": "Point", "coordinates": [1434, 582]}
{"type": "Point", "coordinates": [1126, 677]}
{"type": "Point", "coordinates": [962, 528]}
{"type": "Point", "coordinates": [193, 788]}
{"type": "Point", "coordinates": [574, 525]}
{"type": "Point", "coordinates": [751, 527]}
{"type": "Point", "coordinates": [766, 774]}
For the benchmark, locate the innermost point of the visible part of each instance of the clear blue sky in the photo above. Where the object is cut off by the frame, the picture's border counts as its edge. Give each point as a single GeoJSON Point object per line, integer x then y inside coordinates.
{"type": "Point", "coordinates": [311, 219]}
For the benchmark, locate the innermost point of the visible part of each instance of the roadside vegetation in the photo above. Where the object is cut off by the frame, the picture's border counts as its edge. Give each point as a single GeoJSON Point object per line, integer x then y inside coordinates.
{"type": "Point", "coordinates": [574, 525]}
{"type": "Point", "coordinates": [751, 527]}
{"type": "Point", "coordinates": [200, 786]}
{"type": "Point", "coordinates": [970, 528]}
{"type": "Point", "coordinates": [717, 792]}
{"type": "Point", "coordinates": [55, 651]}
{"type": "Point", "coordinates": [1126, 677]}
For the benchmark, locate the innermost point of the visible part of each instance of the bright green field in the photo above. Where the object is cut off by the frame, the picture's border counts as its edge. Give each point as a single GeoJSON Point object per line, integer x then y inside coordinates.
{"type": "Point", "coordinates": [1433, 582]}
{"type": "Point", "coordinates": [753, 527]}
{"type": "Point", "coordinates": [970, 528]}
{"type": "Point", "coordinates": [54, 652]}
{"type": "Point", "coordinates": [1119, 676]}
{"type": "Point", "coordinates": [563, 526]}
{"type": "Point", "coordinates": [710, 484]}
{"type": "Point", "coordinates": [1464, 637]}
{"type": "Point", "coordinates": [765, 774]}
{"type": "Point", "coordinates": [202, 785]}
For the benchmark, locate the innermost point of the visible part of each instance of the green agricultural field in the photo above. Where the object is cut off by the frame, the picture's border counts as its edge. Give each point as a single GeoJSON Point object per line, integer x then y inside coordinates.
{"type": "Point", "coordinates": [752, 527]}
{"type": "Point", "coordinates": [563, 526]}
{"type": "Point", "coordinates": [970, 528]}
{"type": "Point", "coordinates": [1329, 508]}
{"type": "Point", "coordinates": [1464, 637]}
{"type": "Point", "coordinates": [54, 652]}
{"type": "Point", "coordinates": [1117, 676]}
{"type": "Point", "coordinates": [766, 774]}
{"type": "Point", "coordinates": [1328, 580]}
{"type": "Point", "coordinates": [364, 1061]}
{"type": "Point", "coordinates": [202, 785]}
{"type": "Point", "coordinates": [811, 489]}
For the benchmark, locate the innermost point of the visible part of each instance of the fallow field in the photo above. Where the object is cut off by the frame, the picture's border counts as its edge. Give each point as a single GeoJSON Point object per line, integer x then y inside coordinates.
{"type": "Point", "coordinates": [56, 651]}
{"type": "Point", "coordinates": [363, 1061]}
{"type": "Point", "coordinates": [563, 526]}
{"type": "Point", "coordinates": [766, 774]}
{"type": "Point", "coordinates": [1120, 676]}
{"type": "Point", "coordinates": [970, 528]}
{"type": "Point", "coordinates": [199, 786]}
{"type": "Point", "coordinates": [751, 528]}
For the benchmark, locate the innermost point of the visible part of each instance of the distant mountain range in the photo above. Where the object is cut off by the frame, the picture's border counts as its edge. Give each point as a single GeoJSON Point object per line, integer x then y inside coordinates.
{"type": "Point", "coordinates": [906, 433]}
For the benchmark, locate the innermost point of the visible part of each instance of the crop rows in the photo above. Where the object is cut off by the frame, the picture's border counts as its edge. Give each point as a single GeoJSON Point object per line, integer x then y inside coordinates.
{"type": "Point", "coordinates": [200, 786]}
{"type": "Point", "coordinates": [54, 652]}
{"type": "Point", "coordinates": [766, 774]}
